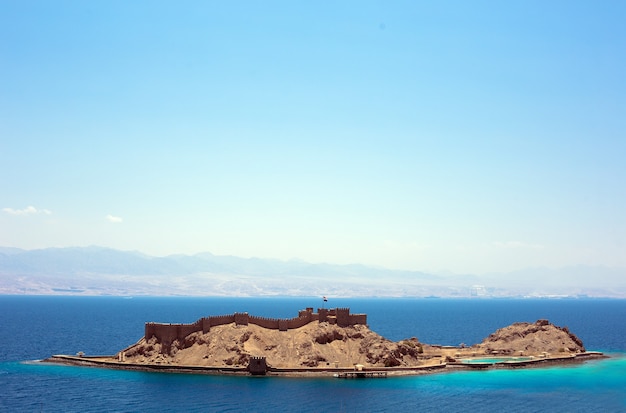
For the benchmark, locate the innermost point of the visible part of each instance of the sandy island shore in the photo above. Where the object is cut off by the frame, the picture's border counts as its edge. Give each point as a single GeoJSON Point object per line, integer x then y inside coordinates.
{"type": "Point", "coordinates": [430, 368]}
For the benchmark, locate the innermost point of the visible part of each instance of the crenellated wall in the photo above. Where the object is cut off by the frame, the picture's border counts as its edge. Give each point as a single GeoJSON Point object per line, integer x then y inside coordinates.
{"type": "Point", "coordinates": [298, 322]}
{"type": "Point", "coordinates": [166, 334]}
{"type": "Point", "coordinates": [220, 320]}
{"type": "Point", "coordinates": [343, 316]}
{"type": "Point", "coordinates": [257, 366]}
{"type": "Point", "coordinates": [358, 319]}
{"type": "Point", "coordinates": [271, 323]}
{"type": "Point", "coordinates": [241, 319]}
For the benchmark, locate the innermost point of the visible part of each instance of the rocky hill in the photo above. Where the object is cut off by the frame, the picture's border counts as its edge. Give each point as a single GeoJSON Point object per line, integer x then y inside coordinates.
{"type": "Point", "coordinates": [314, 345]}
{"type": "Point", "coordinates": [538, 337]}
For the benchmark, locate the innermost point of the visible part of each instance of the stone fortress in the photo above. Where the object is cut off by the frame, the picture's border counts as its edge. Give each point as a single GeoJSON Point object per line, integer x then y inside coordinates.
{"type": "Point", "coordinates": [166, 334]}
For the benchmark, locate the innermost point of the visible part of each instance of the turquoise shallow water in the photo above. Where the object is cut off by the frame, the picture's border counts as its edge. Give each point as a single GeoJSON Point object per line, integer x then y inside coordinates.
{"type": "Point", "coordinates": [492, 360]}
{"type": "Point", "coordinates": [597, 386]}
{"type": "Point", "coordinates": [43, 330]}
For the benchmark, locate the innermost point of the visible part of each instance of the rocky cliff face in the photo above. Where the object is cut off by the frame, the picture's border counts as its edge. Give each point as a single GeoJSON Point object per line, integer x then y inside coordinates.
{"type": "Point", "coordinates": [314, 345]}
{"type": "Point", "coordinates": [538, 337]}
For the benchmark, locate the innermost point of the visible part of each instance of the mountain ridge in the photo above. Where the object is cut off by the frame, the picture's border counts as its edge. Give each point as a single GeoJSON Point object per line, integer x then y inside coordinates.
{"type": "Point", "coordinates": [100, 270]}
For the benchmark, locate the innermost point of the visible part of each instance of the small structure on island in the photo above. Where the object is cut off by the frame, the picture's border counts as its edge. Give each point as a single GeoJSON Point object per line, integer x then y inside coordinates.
{"type": "Point", "coordinates": [257, 366]}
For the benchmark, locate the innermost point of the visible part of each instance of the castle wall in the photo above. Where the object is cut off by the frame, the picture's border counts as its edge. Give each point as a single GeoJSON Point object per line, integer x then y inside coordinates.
{"type": "Point", "coordinates": [343, 316]}
{"type": "Point", "coordinates": [150, 330]}
{"type": "Point", "coordinates": [241, 319]}
{"type": "Point", "coordinates": [283, 325]}
{"type": "Point", "coordinates": [213, 321]}
{"type": "Point", "coordinates": [322, 314]}
{"type": "Point", "coordinates": [171, 332]}
{"type": "Point", "coordinates": [185, 329]}
{"type": "Point", "coordinates": [166, 334]}
{"type": "Point", "coordinates": [358, 319]}
{"type": "Point", "coordinates": [272, 323]}
{"type": "Point", "coordinates": [298, 322]}
{"type": "Point", "coordinates": [257, 366]}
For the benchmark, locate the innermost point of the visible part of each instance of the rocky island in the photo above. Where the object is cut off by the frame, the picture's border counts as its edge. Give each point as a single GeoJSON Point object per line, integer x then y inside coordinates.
{"type": "Point", "coordinates": [329, 341]}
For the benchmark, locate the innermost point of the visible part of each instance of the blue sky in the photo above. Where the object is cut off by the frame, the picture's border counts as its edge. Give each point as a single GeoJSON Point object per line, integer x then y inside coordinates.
{"type": "Point", "coordinates": [462, 136]}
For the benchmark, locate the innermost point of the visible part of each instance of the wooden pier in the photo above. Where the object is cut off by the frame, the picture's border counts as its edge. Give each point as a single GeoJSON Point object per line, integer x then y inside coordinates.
{"type": "Point", "coordinates": [363, 375]}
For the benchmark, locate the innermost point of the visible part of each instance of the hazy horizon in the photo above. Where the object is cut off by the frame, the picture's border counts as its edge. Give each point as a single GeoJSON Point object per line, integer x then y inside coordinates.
{"type": "Point", "coordinates": [443, 271]}
{"type": "Point", "coordinates": [104, 271]}
{"type": "Point", "coordinates": [475, 138]}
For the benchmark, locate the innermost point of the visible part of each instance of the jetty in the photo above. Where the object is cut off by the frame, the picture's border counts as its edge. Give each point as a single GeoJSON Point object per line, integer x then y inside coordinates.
{"type": "Point", "coordinates": [362, 375]}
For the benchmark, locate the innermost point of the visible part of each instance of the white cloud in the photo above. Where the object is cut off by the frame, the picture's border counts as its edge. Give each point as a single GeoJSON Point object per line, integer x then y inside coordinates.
{"type": "Point", "coordinates": [29, 210]}
{"type": "Point", "coordinates": [113, 219]}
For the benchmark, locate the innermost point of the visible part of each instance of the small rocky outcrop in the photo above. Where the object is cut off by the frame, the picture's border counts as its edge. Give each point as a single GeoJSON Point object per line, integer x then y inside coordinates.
{"type": "Point", "coordinates": [532, 338]}
{"type": "Point", "coordinates": [391, 354]}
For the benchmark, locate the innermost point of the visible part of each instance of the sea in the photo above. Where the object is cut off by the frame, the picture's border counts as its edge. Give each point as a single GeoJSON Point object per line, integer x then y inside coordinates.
{"type": "Point", "coordinates": [35, 327]}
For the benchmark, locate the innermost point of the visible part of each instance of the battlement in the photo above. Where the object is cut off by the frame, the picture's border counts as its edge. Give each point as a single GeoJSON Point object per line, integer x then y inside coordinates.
{"type": "Point", "coordinates": [166, 334]}
{"type": "Point", "coordinates": [257, 365]}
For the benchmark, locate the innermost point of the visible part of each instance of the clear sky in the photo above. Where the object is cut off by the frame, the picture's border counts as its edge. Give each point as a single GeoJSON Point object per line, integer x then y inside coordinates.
{"type": "Point", "coordinates": [465, 136]}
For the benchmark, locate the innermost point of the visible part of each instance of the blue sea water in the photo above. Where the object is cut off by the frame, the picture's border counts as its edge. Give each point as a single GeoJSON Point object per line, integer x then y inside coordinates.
{"type": "Point", "coordinates": [35, 327]}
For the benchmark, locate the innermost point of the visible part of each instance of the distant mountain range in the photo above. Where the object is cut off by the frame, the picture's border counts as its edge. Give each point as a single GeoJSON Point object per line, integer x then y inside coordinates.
{"type": "Point", "coordinates": [105, 271]}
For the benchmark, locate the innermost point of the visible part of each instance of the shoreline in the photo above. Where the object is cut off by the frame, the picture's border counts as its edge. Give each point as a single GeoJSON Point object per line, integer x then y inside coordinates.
{"type": "Point", "coordinates": [109, 363]}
